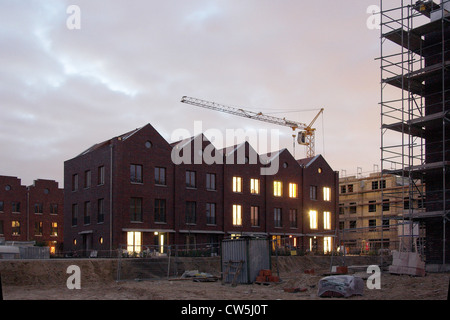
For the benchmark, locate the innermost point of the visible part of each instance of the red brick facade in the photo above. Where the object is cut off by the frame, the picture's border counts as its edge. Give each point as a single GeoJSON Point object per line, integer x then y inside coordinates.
{"type": "Point", "coordinates": [33, 213]}
{"type": "Point", "coordinates": [142, 190]}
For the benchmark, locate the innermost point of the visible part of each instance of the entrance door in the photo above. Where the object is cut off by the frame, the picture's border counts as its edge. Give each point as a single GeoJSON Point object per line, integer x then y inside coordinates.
{"type": "Point", "coordinates": [161, 241]}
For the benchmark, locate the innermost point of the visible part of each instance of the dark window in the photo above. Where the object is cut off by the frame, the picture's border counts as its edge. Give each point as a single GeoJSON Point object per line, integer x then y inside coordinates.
{"type": "Point", "coordinates": [160, 176]}
{"type": "Point", "coordinates": [352, 208]}
{"type": "Point", "coordinates": [372, 206]}
{"type": "Point", "coordinates": [15, 206]}
{"type": "Point", "coordinates": [191, 215]}
{"type": "Point", "coordinates": [352, 225]}
{"type": "Point", "coordinates": [210, 213]}
{"type": "Point", "coordinates": [38, 208]}
{"type": "Point", "coordinates": [313, 192]}
{"type": "Point", "coordinates": [343, 189]}
{"type": "Point", "coordinates": [74, 214]}
{"type": "Point", "coordinates": [1, 206]}
{"type": "Point", "coordinates": [136, 209]}
{"type": "Point", "coordinates": [350, 188]}
{"type": "Point", "coordinates": [374, 185]}
{"type": "Point", "coordinates": [53, 208]}
{"type": "Point", "coordinates": [100, 210]}
{"type": "Point", "coordinates": [293, 218]}
{"type": "Point", "coordinates": [372, 224]}
{"type": "Point", "coordinates": [277, 217]}
{"type": "Point", "coordinates": [87, 212]}
{"type": "Point", "coordinates": [385, 204]}
{"type": "Point", "coordinates": [210, 181]}
{"type": "Point", "coordinates": [160, 210]}
{"type": "Point", "coordinates": [101, 175]}
{"type": "Point", "coordinates": [87, 179]}
{"type": "Point", "coordinates": [136, 173]}
{"type": "Point", "coordinates": [190, 179]}
{"type": "Point", "coordinates": [75, 182]}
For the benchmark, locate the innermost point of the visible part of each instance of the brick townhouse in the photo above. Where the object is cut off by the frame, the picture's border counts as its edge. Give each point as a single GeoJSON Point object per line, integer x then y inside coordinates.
{"type": "Point", "coordinates": [128, 191]}
{"type": "Point", "coordinates": [33, 213]}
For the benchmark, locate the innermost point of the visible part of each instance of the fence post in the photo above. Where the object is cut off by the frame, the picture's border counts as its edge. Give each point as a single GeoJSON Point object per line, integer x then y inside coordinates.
{"type": "Point", "coordinates": [1, 290]}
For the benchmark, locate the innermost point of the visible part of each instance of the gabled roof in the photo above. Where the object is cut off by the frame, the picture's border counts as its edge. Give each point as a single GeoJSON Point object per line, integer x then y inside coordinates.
{"type": "Point", "coordinates": [121, 137]}
{"type": "Point", "coordinates": [306, 162]}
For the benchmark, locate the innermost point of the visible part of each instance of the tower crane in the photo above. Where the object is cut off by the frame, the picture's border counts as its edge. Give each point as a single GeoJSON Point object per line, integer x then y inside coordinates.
{"type": "Point", "coordinates": [305, 135]}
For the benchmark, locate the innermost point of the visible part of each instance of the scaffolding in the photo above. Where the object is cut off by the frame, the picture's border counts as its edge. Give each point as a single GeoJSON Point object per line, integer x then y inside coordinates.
{"type": "Point", "coordinates": [414, 57]}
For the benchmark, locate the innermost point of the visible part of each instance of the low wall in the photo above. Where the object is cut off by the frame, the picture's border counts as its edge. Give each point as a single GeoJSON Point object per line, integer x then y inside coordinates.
{"type": "Point", "coordinates": [54, 271]}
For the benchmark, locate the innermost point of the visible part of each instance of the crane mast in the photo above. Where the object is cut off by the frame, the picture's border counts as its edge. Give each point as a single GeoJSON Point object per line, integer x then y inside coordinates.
{"type": "Point", "coordinates": [305, 135]}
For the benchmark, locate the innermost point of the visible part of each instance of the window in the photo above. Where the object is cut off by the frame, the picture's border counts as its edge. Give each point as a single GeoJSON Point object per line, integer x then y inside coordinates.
{"type": "Point", "coordinates": [312, 219]}
{"type": "Point", "coordinates": [385, 204]}
{"type": "Point", "coordinates": [254, 186]}
{"type": "Point", "coordinates": [326, 194]}
{"type": "Point", "coordinates": [350, 188]}
{"type": "Point", "coordinates": [1, 206]}
{"type": "Point", "coordinates": [38, 228]}
{"type": "Point", "coordinates": [277, 188]}
{"type": "Point", "coordinates": [343, 189]}
{"type": "Point", "coordinates": [372, 206]}
{"type": "Point", "coordinates": [134, 240]}
{"type": "Point", "coordinates": [87, 212]}
{"type": "Point", "coordinates": [15, 225]}
{"type": "Point", "coordinates": [372, 224]}
{"type": "Point", "coordinates": [160, 176]}
{"type": "Point", "coordinates": [74, 214]}
{"type": "Point", "coordinates": [38, 208]}
{"type": "Point", "coordinates": [53, 208]}
{"type": "Point", "coordinates": [191, 214]}
{"type": "Point", "coordinates": [136, 173]}
{"type": "Point", "coordinates": [87, 179]}
{"type": "Point", "coordinates": [101, 175]}
{"type": "Point", "coordinates": [293, 191]}
{"type": "Point", "coordinates": [277, 217]}
{"type": "Point", "coordinates": [352, 225]}
{"type": "Point", "coordinates": [237, 184]}
{"type": "Point", "coordinates": [75, 182]}
{"type": "Point", "coordinates": [100, 210]}
{"type": "Point", "coordinates": [352, 207]}
{"type": "Point", "coordinates": [341, 225]}
{"type": "Point", "coordinates": [2, 230]}
{"type": "Point", "coordinates": [237, 215]}
{"type": "Point", "coordinates": [383, 184]}
{"type": "Point", "coordinates": [210, 213]}
{"type": "Point", "coordinates": [327, 220]}
{"type": "Point", "coordinates": [293, 218]}
{"type": "Point", "coordinates": [190, 179]}
{"type": "Point", "coordinates": [54, 229]}
{"type": "Point", "coordinates": [385, 224]}
{"type": "Point", "coordinates": [326, 245]}
{"type": "Point", "coordinates": [341, 208]}
{"type": "Point", "coordinates": [136, 209]}
{"type": "Point", "coordinates": [15, 206]}
{"type": "Point", "coordinates": [211, 181]}
{"type": "Point", "coordinates": [160, 210]}
{"type": "Point", "coordinates": [374, 185]}
{"type": "Point", "coordinates": [406, 203]}
{"type": "Point", "coordinates": [254, 216]}
{"type": "Point", "coordinates": [313, 192]}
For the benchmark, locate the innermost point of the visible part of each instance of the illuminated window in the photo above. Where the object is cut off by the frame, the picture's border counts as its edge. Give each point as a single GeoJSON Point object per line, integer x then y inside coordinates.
{"type": "Point", "coordinates": [15, 228]}
{"type": "Point", "coordinates": [237, 215]}
{"type": "Point", "coordinates": [313, 219]}
{"type": "Point", "coordinates": [237, 184]}
{"type": "Point", "coordinates": [38, 225]}
{"type": "Point", "coordinates": [293, 190]}
{"type": "Point", "coordinates": [54, 229]}
{"type": "Point", "coordinates": [327, 220]}
{"type": "Point", "coordinates": [326, 244]}
{"type": "Point", "coordinates": [326, 194]}
{"type": "Point", "coordinates": [134, 241]}
{"type": "Point", "coordinates": [277, 188]}
{"type": "Point", "coordinates": [254, 186]}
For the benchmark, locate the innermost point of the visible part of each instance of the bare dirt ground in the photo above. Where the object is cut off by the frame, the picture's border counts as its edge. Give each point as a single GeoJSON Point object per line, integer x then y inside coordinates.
{"type": "Point", "coordinates": [47, 281]}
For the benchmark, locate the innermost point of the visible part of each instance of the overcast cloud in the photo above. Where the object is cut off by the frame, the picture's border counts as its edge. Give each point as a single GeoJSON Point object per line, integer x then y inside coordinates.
{"type": "Point", "coordinates": [63, 90]}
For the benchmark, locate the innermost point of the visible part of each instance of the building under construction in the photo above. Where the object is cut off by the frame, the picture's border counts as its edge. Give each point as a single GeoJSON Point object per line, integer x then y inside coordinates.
{"type": "Point", "coordinates": [415, 42]}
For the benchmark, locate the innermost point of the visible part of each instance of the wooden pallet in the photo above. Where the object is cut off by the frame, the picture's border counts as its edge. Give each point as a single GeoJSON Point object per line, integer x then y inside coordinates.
{"type": "Point", "coordinates": [232, 268]}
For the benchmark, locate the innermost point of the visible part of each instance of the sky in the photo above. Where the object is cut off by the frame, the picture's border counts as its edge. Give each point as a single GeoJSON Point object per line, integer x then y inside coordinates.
{"type": "Point", "coordinates": [72, 77]}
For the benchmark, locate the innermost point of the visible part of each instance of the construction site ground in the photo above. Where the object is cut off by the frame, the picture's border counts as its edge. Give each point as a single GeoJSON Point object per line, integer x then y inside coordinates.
{"type": "Point", "coordinates": [47, 280]}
